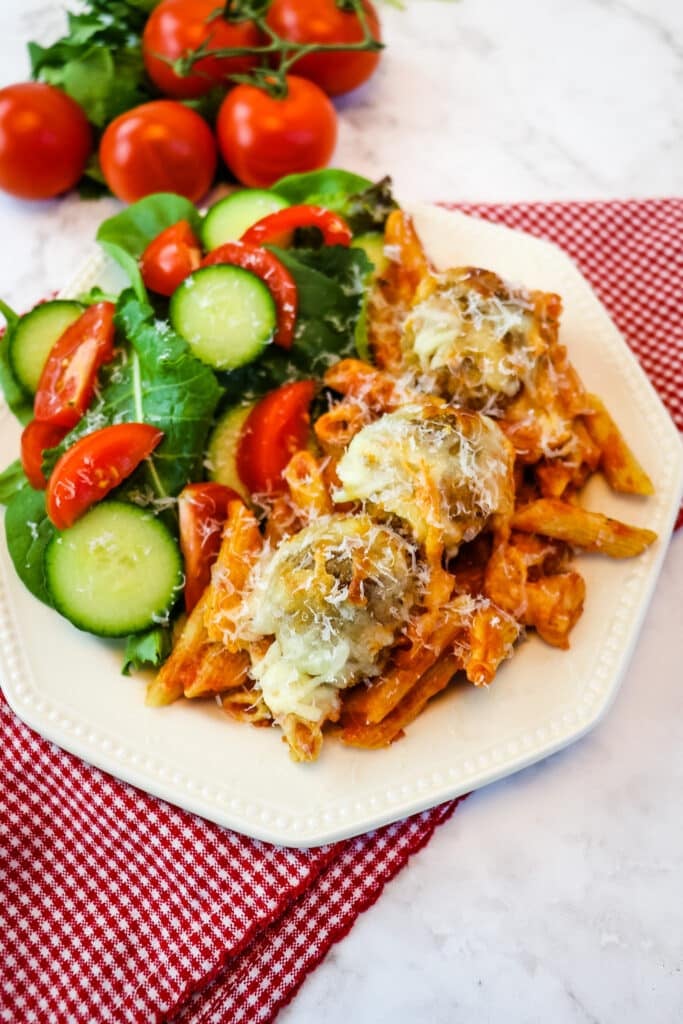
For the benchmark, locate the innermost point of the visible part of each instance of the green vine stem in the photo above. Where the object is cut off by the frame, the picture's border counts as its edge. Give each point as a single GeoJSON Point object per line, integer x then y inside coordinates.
{"type": "Point", "coordinates": [272, 79]}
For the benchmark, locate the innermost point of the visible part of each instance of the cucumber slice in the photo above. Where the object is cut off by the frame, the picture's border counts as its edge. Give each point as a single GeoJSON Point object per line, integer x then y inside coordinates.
{"type": "Point", "coordinates": [116, 571]}
{"type": "Point", "coordinates": [372, 245]}
{"type": "Point", "coordinates": [229, 218]}
{"type": "Point", "coordinates": [222, 449]}
{"type": "Point", "coordinates": [226, 314]}
{"type": "Point", "coordinates": [34, 336]}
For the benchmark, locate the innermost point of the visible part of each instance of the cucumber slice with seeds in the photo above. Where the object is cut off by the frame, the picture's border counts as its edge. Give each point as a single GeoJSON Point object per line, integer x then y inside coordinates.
{"type": "Point", "coordinates": [226, 314]}
{"type": "Point", "coordinates": [35, 335]}
{"type": "Point", "coordinates": [116, 571]}
{"type": "Point", "coordinates": [372, 244]}
{"type": "Point", "coordinates": [229, 218]}
{"type": "Point", "coordinates": [222, 448]}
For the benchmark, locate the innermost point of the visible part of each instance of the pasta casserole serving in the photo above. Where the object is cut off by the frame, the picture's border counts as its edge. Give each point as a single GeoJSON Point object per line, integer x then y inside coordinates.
{"type": "Point", "coordinates": [422, 526]}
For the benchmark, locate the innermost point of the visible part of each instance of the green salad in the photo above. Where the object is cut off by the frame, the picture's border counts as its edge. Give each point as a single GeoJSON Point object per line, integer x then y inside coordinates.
{"type": "Point", "coordinates": [127, 399]}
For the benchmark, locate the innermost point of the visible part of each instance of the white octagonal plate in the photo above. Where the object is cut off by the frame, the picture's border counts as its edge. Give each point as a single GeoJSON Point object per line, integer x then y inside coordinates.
{"type": "Point", "coordinates": [68, 686]}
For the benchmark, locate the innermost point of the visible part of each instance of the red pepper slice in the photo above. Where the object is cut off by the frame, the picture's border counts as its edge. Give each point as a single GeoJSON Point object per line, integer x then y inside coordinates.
{"type": "Point", "coordinates": [274, 273]}
{"type": "Point", "coordinates": [170, 257]}
{"type": "Point", "coordinates": [93, 466]}
{"type": "Point", "coordinates": [67, 382]}
{"type": "Point", "coordinates": [202, 511]}
{"type": "Point", "coordinates": [275, 428]}
{"type": "Point", "coordinates": [278, 228]}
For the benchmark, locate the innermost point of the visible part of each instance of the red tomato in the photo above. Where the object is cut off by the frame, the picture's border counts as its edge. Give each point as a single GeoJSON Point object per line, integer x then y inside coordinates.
{"type": "Point", "coordinates": [275, 428]}
{"type": "Point", "coordinates": [262, 138]}
{"type": "Point", "coordinates": [202, 511]}
{"type": "Point", "coordinates": [160, 146]}
{"type": "Point", "coordinates": [176, 26]}
{"type": "Point", "coordinates": [170, 257]}
{"type": "Point", "coordinates": [35, 439]}
{"type": "Point", "coordinates": [325, 21]}
{"type": "Point", "coordinates": [95, 465]}
{"type": "Point", "coordinates": [278, 228]}
{"type": "Point", "coordinates": [45, 141]}
{"type": "Point", "coordinates": [268, 267]}
{"type": "Point", "coordinates": [68, 379]}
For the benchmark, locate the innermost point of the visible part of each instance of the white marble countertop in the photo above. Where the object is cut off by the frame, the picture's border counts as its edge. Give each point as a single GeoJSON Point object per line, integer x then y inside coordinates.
{"type": "Point", "coordinates": [555, 894]}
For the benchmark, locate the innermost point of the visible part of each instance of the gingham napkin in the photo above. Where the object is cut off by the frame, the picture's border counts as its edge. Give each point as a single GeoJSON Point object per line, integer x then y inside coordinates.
{"type": "Point", "coordinates": [117, 907]}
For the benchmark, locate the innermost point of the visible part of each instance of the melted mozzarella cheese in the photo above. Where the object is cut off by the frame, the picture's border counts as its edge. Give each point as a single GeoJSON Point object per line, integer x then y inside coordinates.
{"type": "Point", "coordinates": [333, 597]}
{"type": "Point", "coordinates": [436, 468]}
{"type": "Point", "coordinates": [472, 337]}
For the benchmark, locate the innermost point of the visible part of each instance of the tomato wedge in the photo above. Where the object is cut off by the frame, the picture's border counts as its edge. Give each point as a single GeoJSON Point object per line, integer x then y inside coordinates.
{"type": "Point", "coordinates": [275, 274]}
{"type": "Point", "coordinates": [278, 228]}
{"type": "Point", "coordinates": [35, 439]}
{"type": "Point", "coordinates": [202, 511]}
{"type": "Point", "coordinates": [170, 257]}
{"type": "Point", "coordinates": [94, 466]}
{"type": "Point", "coordinates": [275, 428]}
{"type": "Point", "coordinates": [67, 382]}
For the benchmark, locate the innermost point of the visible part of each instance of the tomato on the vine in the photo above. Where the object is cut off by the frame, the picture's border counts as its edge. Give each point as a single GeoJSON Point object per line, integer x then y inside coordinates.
{"type": "Point", "coordinates": [45, 140]}
{"type": "Point", "coordinates": [263, 138]}
{"type": "Point", "coordinates": [176, 26]}
{"type": "Point", "coordinates": [161, 146]}
{"type": "Point", "coordinates": [93, 466]}
{"type": "Point", "coordinates": [326, 22]}
{"type": "Point", "coordinates": [170, 257]}
{"type": "Point", "coordinates": [274, 430]}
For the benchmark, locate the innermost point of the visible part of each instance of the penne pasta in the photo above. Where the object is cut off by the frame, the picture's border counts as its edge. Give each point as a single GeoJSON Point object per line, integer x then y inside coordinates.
{"type": "Point", "coordinates": [620, 467]}
{"type": "Point", "coordinates": [381, 734]}
{"type": "Point", "coordinates": [590, 531]}
{"type": "Point", "coordinates": [307, 487]}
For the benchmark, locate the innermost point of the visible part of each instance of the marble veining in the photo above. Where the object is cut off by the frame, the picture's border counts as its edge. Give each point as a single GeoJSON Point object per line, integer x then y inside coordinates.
{"type": "Point", "coordinates": [556, 894]}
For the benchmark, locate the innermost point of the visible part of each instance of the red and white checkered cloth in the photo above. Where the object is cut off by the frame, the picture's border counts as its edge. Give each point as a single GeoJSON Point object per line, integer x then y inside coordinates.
{"type": "Point", "coordinates": [117, 907]}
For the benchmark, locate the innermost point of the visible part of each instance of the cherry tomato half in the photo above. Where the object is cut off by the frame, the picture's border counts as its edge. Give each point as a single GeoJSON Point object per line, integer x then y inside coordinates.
{"type": "Point", "coordinates": [160, 146]}
{"type": "Point", "coordinates": [278, 228]}
{"type": "Point", "coordinates": [263, 138]}
{"type": "Point", "coordinates": [95, 465]}
{"type": "Point", "coordinates": [325, 21]}
{"type": "Point", "coordinates": [36, 438]}
{"type": "Point", "coordinates": [202, 511]}
{"type": "Point", "coordinates": [170, 257]}
{"type": "Point", "coordinates": [275, 428]}
{"type": "Point", "coordinates": [269, 268]}
{"type": "Point", "coordinates": [45, 140]}
{"type": "Point", "coordinates": [176, 26]}
{"type": "Point", "coordinates": [68, 379]}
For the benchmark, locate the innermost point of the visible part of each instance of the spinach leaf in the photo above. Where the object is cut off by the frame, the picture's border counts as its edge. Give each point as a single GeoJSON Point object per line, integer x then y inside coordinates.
{"type": "Point", "coordinates": [150, 648]}
{"type": "Point", "coordinates": [126, 235]}
{"type": "Point", "coordinates": [330, 188]}
{"type": "Point", "coordinates": [159, 382]}
{"type": "Point", "coordinates": [16, 397]}
{"type": "Point", "coordinates": [331, 287]}
{"type": "Point", "coordinates": [12, 480]}
{"type": "Point", "coordinates": [28, 533]}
